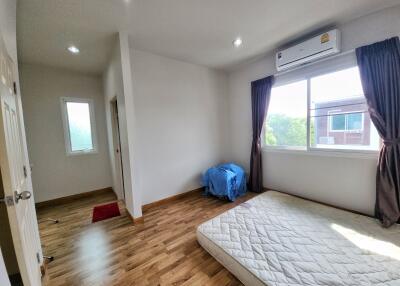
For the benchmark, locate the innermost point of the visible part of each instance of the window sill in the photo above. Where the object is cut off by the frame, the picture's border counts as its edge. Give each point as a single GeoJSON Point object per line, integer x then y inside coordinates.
{"type": "Point", "coordinates": [79, 153]}
{"type": "Point", "coordinates": [361, 154]}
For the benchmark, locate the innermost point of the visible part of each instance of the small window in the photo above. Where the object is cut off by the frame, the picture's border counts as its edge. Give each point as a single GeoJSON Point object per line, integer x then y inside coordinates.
{"type": "Point", "coordinates": [79, 125]}
{"type": "Point", "coordinates": [346, 122]}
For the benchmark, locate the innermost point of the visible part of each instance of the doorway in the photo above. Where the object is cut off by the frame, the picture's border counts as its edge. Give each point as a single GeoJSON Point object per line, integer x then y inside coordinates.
{"type": "Point", "coordinates": [117, 150]}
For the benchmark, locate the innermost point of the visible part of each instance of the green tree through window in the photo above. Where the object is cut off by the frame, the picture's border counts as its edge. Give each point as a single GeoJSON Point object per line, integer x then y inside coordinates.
{"type": "Point", "coordinates": [282, 130]}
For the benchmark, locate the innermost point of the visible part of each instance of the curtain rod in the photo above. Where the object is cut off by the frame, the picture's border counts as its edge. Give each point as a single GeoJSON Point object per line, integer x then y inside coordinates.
{"type": "Point", "coordinates": [315, 62]}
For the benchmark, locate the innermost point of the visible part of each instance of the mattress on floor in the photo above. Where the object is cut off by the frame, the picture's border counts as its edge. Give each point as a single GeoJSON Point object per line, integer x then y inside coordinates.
{"type": "Point", "coordinates": [276, 239]}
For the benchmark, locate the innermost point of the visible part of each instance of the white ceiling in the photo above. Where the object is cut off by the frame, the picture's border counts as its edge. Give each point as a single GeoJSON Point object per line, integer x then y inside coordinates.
{"type": "Point", "coordinates": [198, 31]}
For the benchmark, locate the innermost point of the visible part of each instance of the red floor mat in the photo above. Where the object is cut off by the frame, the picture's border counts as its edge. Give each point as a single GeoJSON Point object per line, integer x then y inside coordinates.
{"type": "Point", "coordinates": [105, 211]}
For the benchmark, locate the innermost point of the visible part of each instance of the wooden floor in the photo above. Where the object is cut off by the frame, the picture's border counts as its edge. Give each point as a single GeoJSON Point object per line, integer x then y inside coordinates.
{"type": "Point", "coordinates": [162, 251]}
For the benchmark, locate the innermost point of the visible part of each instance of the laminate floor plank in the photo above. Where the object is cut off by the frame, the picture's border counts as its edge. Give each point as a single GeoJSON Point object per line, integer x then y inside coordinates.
{"type": "Point", "coordinates": [162, 251]}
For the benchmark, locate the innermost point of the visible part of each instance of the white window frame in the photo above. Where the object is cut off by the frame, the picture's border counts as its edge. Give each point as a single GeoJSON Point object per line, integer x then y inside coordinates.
{"type": "Point", "coordinates": [67, 136]}
{"type": "Point", "coordinates": [346, 113]}
{"type": "Point", "coordinates": [326, 66]}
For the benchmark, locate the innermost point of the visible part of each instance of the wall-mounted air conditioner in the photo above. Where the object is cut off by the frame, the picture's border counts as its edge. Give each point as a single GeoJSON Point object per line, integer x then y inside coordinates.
{"type": "Point", "coordinates": [320, 46]}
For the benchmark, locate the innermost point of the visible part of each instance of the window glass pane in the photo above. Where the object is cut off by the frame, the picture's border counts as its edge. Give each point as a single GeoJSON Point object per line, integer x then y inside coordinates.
{"type": "Point", "coordinates": [339, 116]}
{"type": "Point", "coordinates": [286, 123]}
{"type": "Point", "coordinates": [354, 121]}
{"type": "Point", "coordinates": [79, 126]}
{"type": "Point", "coordinates": [338, 122]}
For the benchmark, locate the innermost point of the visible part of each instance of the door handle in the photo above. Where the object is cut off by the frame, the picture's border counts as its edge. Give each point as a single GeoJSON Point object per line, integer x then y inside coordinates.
{"type": "Point", "coordinates": [25, 195]}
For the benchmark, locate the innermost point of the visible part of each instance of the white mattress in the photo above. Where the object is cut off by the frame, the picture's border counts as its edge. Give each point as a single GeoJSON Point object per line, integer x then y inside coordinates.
{"type": "Point", "coordinates": [276, 239]}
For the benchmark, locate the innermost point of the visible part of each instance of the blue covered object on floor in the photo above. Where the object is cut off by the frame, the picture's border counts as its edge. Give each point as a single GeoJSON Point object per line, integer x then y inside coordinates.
{"type": "Point", "coordinates": [225, 181]}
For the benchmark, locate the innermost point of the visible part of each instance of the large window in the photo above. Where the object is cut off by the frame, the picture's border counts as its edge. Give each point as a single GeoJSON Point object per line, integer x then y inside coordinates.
{"type": "Point", "coordinates": [79, 125]}
{"type": "Point", "coordinates": [325, 111]}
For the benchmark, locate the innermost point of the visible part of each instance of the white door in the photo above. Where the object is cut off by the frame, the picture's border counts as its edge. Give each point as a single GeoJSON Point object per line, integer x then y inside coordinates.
{"type": "Point", "coordinates": [20, 204]}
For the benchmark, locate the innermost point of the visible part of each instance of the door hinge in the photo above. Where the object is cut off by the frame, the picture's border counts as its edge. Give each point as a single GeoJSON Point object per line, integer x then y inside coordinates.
{"type": "Point", "coordinates": [8, 200]}
{"type": "Point", "coordinates": [15, 87]}
{"type": "Point", "coordinates": [38, 257]}
{"type": "Point", "coordinates": [25, 172]}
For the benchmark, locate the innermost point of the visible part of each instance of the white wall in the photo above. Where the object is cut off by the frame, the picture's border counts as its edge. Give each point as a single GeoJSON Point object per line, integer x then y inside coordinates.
{"type": "Point", "coordinates": [135, 165]}
{"type": "Point", "coordinates": [55, 174]}
{"type": "Point", "coordinates": [113, 82]}
{"type": "Point", "coordinates": [181, 123]}
{"type": "Point", "coordinates": [113, 89]}
{"type": "Point", "coordinates": [342, 181]}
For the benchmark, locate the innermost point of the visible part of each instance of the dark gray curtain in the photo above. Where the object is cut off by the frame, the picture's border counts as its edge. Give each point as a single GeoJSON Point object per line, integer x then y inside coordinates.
{"type": "Point", "coordinates": [260, 97]}
{"type": "Point", "coordinates": [379, 65]}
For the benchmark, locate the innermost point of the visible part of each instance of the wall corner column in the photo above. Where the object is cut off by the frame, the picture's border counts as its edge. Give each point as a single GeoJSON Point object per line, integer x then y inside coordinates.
{"type": "Point", "coordinates": [135, 201]}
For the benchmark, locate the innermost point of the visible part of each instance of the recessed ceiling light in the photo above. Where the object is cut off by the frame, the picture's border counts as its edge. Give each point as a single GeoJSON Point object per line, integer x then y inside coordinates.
{"type": "Point", "coordinates": [73, 50]}
{"type": "Point", "coordinates": [237, 42]}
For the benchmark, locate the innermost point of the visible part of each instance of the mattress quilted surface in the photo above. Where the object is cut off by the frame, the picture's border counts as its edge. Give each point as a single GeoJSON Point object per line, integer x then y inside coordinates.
{"type": "Point", "coordinates": [284, 240]}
